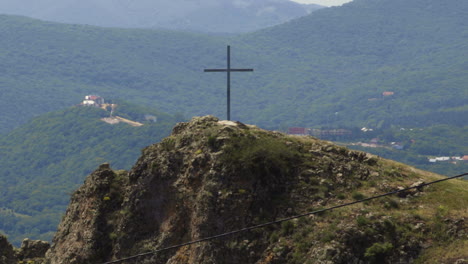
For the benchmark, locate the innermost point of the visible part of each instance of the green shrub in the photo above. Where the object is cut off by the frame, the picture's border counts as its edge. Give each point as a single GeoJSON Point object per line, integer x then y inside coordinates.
{"type": "Point", "coordinates": [274, 237]}
{"type": "Point", "coordinates": [212, 142]}
{"type": "Point", "coordinates": [260, 155]}
{"type": "Point", "coordinates": [113, 236]}
{"type": "Point", "coordinates": [168, 143]}
{"type": "Point", "coordinates": [362, 220]}
{"type": "Point", "coordinates": [287, 228]}
{"type": "Point", "coordinates": [327, 236]}
{"type": "Point", "coordinates": [378, 251]}
{"type": "Point", "coordinates": [391, 204]}
{"type": "Point", "coordinates": [358, 196]}
{"type": "Point", "coordinates": [439, 230]}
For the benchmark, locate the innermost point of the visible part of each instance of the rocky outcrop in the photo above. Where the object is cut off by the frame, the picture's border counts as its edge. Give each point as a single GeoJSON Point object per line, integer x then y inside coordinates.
{"type": "Point", "coordinates": [7, 253]}
{"type": "Point", "coordinates": [211, 177]}
{"type": "Point", "coordinates": [33, 250]}
{"type": "Point", "coordinates": [84, 235]}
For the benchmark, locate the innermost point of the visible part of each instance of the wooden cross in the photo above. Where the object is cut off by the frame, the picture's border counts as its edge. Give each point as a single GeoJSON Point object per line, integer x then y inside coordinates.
{"type": "Point", "coordinates": [228, 70]}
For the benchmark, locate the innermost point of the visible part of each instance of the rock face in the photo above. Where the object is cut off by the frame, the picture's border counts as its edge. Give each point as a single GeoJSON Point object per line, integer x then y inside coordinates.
{"type": "Point", "coordinates": [211, 177]}
{"type": "Point", "coordinates": [85, 234]}
{"type": "Point", "coordinates": [32, 249]}
{"type": "Point", "coordinates": [7, 253]}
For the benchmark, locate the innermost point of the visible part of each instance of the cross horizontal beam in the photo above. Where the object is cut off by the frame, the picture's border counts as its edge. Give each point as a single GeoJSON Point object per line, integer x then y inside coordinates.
{"type": "Point", "coordinates": [232, 70]}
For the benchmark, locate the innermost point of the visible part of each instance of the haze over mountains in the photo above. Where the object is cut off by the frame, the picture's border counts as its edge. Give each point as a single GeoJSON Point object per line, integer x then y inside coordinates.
{"type": "Point", "coordinates": [214, 16]}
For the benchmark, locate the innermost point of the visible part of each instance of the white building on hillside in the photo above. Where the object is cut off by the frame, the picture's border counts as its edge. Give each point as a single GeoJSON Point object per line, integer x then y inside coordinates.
{"type": "Point", "coordinates": [93, 100]}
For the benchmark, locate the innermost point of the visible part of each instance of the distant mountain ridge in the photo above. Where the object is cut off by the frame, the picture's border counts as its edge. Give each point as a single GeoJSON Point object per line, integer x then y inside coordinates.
{"type": "Point", "coordinates": [220, 16]}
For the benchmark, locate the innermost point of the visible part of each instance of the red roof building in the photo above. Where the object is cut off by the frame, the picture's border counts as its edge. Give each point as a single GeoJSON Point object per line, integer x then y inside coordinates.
{"type": "Point", "coordinates": [93, 100]}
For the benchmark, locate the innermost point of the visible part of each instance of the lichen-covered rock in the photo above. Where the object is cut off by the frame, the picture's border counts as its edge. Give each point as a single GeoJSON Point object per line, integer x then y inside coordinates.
{"type": "Point", "coordinates": [7, 253]}
{"type": "Point", "coordinates": [210, 177]}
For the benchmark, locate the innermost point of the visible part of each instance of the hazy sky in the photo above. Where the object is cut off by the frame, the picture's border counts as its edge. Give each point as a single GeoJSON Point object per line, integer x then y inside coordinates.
{"type": "Point", "coordinates": [323, 2]}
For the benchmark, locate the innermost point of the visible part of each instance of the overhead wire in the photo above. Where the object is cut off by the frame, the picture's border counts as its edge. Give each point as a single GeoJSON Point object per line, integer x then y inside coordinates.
{"type": "Point", "coordinates": [281, 220]}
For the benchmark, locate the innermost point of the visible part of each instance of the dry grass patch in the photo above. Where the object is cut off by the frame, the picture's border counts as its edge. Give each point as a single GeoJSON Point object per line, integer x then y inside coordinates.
{"type": "Point", "coordinates": [446, 253]}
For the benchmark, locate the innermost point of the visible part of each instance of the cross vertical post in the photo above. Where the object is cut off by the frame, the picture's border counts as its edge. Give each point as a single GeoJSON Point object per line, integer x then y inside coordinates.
{"type": "Point", "coordinates": [228, 70]}
{"type": "Point", "coordinates": [228, 83]}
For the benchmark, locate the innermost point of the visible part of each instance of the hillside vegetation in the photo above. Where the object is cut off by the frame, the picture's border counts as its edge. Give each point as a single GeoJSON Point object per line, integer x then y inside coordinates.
{"type": "Point", "coordinates": [48, 66]}
{"type": "Point", "coordinates": [212, 177]}
{"type": "Point", "coordinates": [43, 161]}
{"type": "Point", "coordinates": [346, 57]}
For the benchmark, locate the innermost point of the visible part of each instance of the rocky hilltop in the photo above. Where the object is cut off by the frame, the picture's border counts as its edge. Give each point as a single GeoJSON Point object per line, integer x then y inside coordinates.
{"type": "Point", "coordinates": [211, 177]}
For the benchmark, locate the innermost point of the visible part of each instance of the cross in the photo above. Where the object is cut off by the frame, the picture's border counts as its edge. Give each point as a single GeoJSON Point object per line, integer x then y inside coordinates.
{"type": "Point", "coordinates": [228, 70]}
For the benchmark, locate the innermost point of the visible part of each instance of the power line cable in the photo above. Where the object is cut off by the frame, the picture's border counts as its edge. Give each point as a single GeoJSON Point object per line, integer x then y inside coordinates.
{"type": "Point", "coordinates": [282, 220]}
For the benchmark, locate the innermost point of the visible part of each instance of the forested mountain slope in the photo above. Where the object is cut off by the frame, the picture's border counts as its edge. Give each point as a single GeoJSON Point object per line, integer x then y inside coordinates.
{"type": "Point", "coordinates": [329, 68]}
{"type": "Point", "coordinates": [221, 16]}
{"type": "Point", "coordinates": [346, 57]}
{"type": "Point", "coordinates": [43, 161]}
{"type": "Point", "coordinates": [48, 66]}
